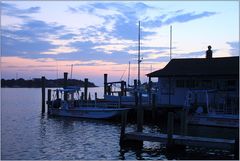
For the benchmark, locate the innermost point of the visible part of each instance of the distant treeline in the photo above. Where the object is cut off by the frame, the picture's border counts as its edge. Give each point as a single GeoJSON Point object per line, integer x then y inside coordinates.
{"type": "Point", "coordinates": [36, 83]}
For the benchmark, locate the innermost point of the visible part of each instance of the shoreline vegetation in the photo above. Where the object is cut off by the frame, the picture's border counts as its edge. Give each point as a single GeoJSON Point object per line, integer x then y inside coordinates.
{"type": "Point", "coordinates": [36, 83]}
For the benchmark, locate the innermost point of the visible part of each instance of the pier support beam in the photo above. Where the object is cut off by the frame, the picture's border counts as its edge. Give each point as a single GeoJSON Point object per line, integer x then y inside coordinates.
{"type": "Point", "coordinates": [135, 92]}
{"type": "Point", "coordinates": [122, 88]}
{"type": "Point", "coordinates": [124, 142]}
{"type": "Point", "coordinates": [65, 85]}
{"type": "Point", "coordinates": [105, 84]}
{"type": "Point", "coordinates": [49, 99]}
{"type": "Point", "coordinates": [170, 126]}
{"type": "Point", "coordinates": [43, 94]}
{"type": "Point", "coordinates": [140, 114]}
{"type": "Point", "coordinates": [154, 108]}
{"type": "Point", "coordinates": [184, 122]}
{"type": "Point", "coordinates": [85, 89]}
{"type": "Point", "coordinates": [123, 124]}
{"type": "Point", "coordinates": [236, 148]}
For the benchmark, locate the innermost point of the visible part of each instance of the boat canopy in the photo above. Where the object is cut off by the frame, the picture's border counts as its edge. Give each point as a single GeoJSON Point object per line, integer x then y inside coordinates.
{"type": "Point", "coordinates": [69, 89]}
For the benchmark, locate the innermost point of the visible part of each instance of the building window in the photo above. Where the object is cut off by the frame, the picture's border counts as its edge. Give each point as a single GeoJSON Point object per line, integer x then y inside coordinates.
{"type": "Point", "coordinates": [207, 84]}
{"type": "Point", "coordinates": [190, 83]}
{"type": "Point", "coordinates": [231, 83]}
{"type": "Point", "coordinates": [167, 87]}
{"type": "Point", "coordinates": [180, 83]}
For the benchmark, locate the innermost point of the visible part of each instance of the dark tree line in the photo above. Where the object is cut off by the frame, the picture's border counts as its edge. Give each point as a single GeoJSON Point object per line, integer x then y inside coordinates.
{"type": "Point", "coordinates": [36, 83]}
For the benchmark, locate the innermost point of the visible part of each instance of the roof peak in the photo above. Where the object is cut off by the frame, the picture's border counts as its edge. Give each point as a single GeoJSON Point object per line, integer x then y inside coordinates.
{"type": "Point", "coordinates": [205, 58]}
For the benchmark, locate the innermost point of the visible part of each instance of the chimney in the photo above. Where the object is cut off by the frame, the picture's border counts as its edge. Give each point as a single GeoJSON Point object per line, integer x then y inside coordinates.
{"type": "Point", "coordinates": [209, 53]}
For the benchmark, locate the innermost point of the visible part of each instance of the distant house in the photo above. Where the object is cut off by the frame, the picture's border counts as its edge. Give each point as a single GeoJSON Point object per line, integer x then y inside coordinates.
{"type": "Point", "coordinates": [180, 76]}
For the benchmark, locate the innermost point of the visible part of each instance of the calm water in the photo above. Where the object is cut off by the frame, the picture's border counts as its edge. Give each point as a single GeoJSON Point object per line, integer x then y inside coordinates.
{"type": "Point", "coordinates": [26, 134]}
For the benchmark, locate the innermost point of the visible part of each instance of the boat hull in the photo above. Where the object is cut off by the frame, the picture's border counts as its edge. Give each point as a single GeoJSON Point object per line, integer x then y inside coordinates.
{"type": "Point", "coordinates": [88, 112]}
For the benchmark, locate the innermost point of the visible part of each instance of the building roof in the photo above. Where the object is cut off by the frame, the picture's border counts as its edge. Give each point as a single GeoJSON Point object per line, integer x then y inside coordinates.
{"type": "Point", "coordinates": [224, 66]}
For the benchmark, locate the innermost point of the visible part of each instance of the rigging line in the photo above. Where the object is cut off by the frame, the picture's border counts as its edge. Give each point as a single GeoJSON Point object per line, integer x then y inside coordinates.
{"type": "Point", "coordinates": [123, 74]}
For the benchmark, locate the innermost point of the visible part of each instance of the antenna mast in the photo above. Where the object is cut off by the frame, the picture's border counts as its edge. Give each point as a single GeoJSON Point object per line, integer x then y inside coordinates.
{"type": "Point", "coordinates": [171, 42]}
{"type": "Point", "coordinates": [139, 61]}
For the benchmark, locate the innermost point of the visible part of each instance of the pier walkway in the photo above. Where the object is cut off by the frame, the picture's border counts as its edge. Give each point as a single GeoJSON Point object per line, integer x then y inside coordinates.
{"type": "Point", "coordinates": [225, 144]}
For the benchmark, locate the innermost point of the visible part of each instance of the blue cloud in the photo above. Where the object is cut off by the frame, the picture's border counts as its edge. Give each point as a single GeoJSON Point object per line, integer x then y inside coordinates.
{"type": "Point", "coordinates": [188, 17]}
{"type": "Point", "coordinates": [67, 36]}
{"type": "Point", "coordinates": [126, 25]}
{"type": "Point", "coordinates": [12, 10]}
{"type": "Point", "coordinates": [27, 42]}
{"type": "Point", "coordinates": [235, 47]}
{"type": "Point", "coordinates": [180, 17]}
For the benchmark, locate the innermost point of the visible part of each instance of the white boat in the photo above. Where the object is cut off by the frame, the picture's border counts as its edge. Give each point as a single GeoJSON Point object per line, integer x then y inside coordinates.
{"type": "Point", "coordinates": [72, 106]}
{"type": "Point", "coordinates": [202, 111]}
{"type": "Point", "coordinates": [88, 112]}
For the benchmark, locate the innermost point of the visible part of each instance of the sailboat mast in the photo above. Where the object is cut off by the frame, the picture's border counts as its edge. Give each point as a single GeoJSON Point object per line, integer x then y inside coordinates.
{"type": "Point", "coordinates": [71, 70]}
{"type": "Point", "coordinates": [128, 73]}
{"type": "Point", "coordinates": [139, 61]}
{"type": "Point", "coordinates": [171, 42]}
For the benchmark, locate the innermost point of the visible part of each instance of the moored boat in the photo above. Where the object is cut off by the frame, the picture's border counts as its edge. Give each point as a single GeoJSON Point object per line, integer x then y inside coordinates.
{"type": "Point", "coordinates": [209, 108]}
{"type": "Point", "coordinates": [66, 102]}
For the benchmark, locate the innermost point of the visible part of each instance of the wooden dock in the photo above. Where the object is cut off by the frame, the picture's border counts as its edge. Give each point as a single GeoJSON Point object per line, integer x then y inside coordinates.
{"type": "Point", "coordinates": [174, 142]}
{"type": "Point", "coordinates": [225, 144]}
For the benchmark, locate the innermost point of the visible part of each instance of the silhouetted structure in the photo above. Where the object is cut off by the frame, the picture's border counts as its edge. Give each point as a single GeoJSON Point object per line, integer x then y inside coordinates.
{"type": "Point", "coordinates": [209, 52]}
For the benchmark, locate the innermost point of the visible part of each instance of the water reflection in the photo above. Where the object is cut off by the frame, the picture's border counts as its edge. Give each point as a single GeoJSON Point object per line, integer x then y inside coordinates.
{"type": "Point", "coordinates": [27, 134]}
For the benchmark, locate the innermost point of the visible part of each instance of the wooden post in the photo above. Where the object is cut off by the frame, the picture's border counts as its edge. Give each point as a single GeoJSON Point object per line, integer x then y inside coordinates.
{"type": "Point", "coordinates": [43, 94]}
{"type": "Point", "coordinates": [57, 93]}
{"type": "Point", "coordinates": [140, 114]}
{"type": "Point", "coordinates": [85, 89]}
{"type": "Point", "coordinates": [105, 84]}
{"type": "Point", "coordinates": [184, 122]}
{"type": "Point", "coordinates": [89, 96]}
{"type": "Point", "coordinates": [120, 101]}
{"type": "Point", "coordinates": [125, 90]}
{"type": "Point", "coordinates": [49, 99]}
{"type": "Point", "coordinates": [95, 99]}
{"type": "Point", "coordinates": [122, 88]}
{"type": "Point", "coordinates": [135, 92]}
{"type": "Point", "coordinates": [109, 90]}
{"type": "Point", "coordinates": [123, 124]}
{"type": "Point", "coordinates": [149, 91]}
{"type": "Point", "coordinates": [65, 85]}
{"type": "Point", "coordinates": [236, 148]}
{"type": "Point", "coordinates": [170, 127]}
{"type": "Point", "coordinates": [135, 84]}
{"type": "Point", "coordinates": [82, 96]}
{"type": "Point", "coordinates": [154, 110]}
{"type": "Point", "coordinates": [96, 96]}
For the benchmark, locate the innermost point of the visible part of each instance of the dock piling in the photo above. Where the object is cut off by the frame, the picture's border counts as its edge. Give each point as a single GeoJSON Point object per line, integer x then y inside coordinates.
{"type": "Point", "coordinates": [120, 101]}
{"type": "Point", "coordinates": [140, 114]}
{"type": "Point", "coordinates": [122, 88]}
{"type": "Point", "coordinates": [85, 88]}
{"type": "Point", "coordinates": [65, 85]}
{"type": "Point", "coordinates": [184, 122]}
{"type": "Point", "coordinates": [135, 92]}
{"type": "Point", "coordinates": [105, 84]}
{"type": "Point", "coordinates": [43, 94]}
{"type": "Point", "coordinates": [154, 109]}
{"type": "Point", "coordinates": [170, 129]}
{"type": "Point", "coordinates": [123, 124]}
{"type": "Point", "coordinates": [49, 99]}
{"type": "Point", "coordinates": [95, 96]}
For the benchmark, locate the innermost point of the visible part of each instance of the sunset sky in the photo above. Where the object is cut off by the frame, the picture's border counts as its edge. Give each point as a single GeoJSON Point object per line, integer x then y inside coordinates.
{"type": "Point", "coordinates": [46, 38]}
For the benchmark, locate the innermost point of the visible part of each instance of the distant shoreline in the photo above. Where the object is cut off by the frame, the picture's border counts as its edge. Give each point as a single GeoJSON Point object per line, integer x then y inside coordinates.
{"type": "Point", "coordinates": [37, 83]}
